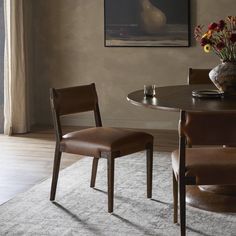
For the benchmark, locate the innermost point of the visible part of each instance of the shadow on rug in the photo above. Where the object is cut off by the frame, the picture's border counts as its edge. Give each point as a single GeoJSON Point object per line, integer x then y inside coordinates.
{"type": "Point", "coordinates": [81, 210]}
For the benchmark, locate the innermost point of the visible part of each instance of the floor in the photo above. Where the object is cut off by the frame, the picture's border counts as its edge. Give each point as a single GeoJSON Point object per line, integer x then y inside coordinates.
{"type": "Point", "coordinates": [26, 160]}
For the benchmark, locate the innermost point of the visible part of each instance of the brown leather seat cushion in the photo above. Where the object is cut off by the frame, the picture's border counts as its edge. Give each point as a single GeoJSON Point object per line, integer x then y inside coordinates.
{"type": "Point", "coordinates": [209, 165]}
{"type": "Point", "coordinates": [93, 141]}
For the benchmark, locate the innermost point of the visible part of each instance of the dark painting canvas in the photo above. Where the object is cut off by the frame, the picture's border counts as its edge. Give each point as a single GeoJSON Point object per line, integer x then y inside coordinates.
{"type": "Point", "coordinates": [147, 23]}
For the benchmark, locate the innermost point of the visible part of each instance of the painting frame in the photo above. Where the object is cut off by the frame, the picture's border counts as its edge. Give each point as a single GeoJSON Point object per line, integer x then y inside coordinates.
{"type": "Point", "coordinates": [126, 34]}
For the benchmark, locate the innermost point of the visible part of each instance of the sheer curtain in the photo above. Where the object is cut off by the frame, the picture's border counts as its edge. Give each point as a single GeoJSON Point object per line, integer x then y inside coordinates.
{"type": "Point", "coordinates": [15, 69]}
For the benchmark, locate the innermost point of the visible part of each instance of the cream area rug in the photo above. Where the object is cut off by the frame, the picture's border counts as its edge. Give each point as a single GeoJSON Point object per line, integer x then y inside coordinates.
{"type": "Point", "coordinates": [81, 210]}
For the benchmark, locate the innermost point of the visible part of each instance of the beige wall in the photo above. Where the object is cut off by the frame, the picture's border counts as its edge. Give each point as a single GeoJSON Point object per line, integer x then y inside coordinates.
{"type": "Point", "coordinates": [69, 50]}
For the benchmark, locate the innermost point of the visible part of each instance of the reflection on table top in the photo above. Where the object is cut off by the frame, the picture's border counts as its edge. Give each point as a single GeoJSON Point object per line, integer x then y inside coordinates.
{"type": "Point", "coordinates": [179, 97]}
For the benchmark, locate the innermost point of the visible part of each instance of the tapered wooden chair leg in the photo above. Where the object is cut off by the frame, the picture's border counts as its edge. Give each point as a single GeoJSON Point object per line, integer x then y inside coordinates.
{"type": "Point", "coordinates": [110, 175]}
{"type": "Point", "coordinates": [149, 170]}
{"type": "Point", "coordinates": [182, 195]}
{"type": "Point", "coordinates": [175, 197]}
{"type": "Point", "coordinates": [94, 172]}
{"type": "Point", "coordinates": [56, 168]}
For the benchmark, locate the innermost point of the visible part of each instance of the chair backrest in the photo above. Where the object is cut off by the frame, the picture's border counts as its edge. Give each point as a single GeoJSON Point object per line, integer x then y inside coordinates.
{"type": "Point", "coordinates": [198, 76]}
{"type": "Point", "coordinates": [73, 100]}
{"type": "Point", "coordinates": [209, 128]}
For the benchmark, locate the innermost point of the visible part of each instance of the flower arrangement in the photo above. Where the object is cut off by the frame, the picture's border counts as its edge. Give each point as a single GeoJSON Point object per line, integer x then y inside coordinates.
{"type": "Point", "coordinates": [220, 38]}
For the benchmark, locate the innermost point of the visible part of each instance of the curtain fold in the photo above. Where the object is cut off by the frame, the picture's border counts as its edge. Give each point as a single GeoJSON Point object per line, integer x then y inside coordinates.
{"type": "Point", "coordinates": [15, 73]}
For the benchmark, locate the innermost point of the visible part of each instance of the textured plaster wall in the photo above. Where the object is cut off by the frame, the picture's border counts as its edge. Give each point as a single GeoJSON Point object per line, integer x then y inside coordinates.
{"type": "Point", "coordinates": [69, 50]}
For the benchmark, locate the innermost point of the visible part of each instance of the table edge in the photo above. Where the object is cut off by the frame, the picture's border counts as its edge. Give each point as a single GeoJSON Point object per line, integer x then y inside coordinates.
{"type": "Point", "coordinates": [152, 106]}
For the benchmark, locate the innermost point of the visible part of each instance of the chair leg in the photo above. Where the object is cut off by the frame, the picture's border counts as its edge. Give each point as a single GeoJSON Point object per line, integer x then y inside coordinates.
{"type": "Point", "coordinates": [149, 170]}
{"type": "Point", "coordinates": [182, 195]}
{"type": "Point", "coordinates": [110, 178]}
{"type": "Point", "coordinates": [94, 172]}
{"type": "Point", "coordinates": [175, 197]}
{"type": "Point", "coordinates": [56, 168]}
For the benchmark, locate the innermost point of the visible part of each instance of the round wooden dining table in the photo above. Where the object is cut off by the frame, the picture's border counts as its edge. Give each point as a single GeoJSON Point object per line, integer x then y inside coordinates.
{"type": "Point", "coordinates": [176, 98]}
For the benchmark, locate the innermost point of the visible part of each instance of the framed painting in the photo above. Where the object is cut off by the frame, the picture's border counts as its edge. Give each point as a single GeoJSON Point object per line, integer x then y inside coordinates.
{"type": "Point", "coordinates": [148, 23]}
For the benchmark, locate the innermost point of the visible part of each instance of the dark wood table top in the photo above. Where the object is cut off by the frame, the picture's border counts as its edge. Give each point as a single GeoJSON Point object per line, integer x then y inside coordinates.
{"type": "Point", "coordinates": [175, 98]}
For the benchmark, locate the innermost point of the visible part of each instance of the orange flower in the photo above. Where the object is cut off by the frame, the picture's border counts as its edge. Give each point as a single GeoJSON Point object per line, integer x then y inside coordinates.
{"type": "Point", "coordinates": [208, 34]}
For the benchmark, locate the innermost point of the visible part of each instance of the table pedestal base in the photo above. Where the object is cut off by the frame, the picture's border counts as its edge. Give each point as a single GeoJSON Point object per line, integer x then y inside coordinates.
{"type": "Point", "coordinates": [212, 198]}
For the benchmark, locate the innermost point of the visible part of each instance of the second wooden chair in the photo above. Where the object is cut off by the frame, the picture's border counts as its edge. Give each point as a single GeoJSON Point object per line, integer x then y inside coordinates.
{"type": "Point", "coordinates": [198, 76]}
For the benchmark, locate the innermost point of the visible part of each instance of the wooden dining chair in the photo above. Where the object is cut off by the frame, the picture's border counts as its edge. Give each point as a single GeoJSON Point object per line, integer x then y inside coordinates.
{"type": "Point", "coordinates": [204, 164]}
{"type": "Point", "coordinates": [97, 142]}
{"type": "Point", "coordinates": [198, 76]}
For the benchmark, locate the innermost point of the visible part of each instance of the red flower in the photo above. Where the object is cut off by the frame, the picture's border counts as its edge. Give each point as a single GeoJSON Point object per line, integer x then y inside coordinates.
{"type": "Point", "coordinates": [212, 26]}
{"type": "Point", "coordinates": [204, 41]}
{"type": "Point", "coordinates": [220, 45]}
{"type": "Point", "coordinates": [233, 37]}
{"type": "Point", "coordinates": [221, 25]}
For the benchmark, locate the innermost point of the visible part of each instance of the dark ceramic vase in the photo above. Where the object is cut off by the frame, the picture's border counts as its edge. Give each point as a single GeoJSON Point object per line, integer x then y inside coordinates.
{"type": "Point", "coordinates": [224, 77]}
